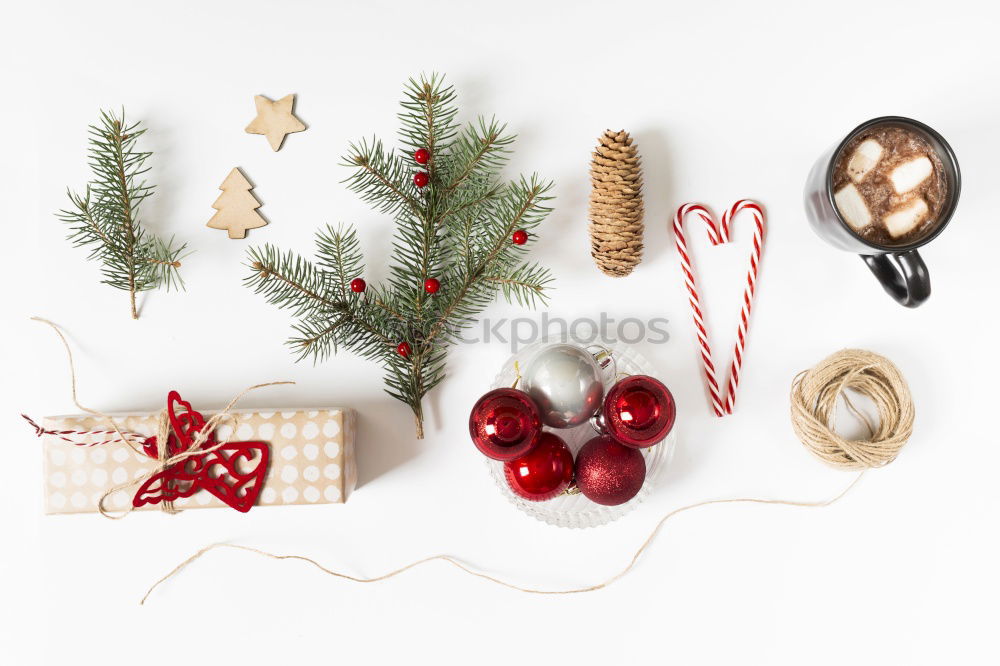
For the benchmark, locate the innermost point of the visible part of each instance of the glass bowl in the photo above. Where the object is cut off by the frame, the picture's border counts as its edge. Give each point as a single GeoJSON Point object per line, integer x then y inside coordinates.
{"type": "Point", "coordinates": [575, 510]}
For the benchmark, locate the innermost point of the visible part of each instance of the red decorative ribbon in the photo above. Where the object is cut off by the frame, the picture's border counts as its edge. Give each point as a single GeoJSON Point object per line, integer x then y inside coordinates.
{"type": "Point", "coordinates": [232, 471]}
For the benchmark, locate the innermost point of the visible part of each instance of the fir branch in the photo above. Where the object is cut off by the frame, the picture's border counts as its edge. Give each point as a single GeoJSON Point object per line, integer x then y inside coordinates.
{"type": "Point", "coordinates": [325, 322]}
{"type": "Point", "coordinates": [416, 256]}
{"type": "Point", "coordinates": [521, 207]}
{"type": "Point", "coordinates": [457, 230]}
{"type": "Point", "coordinates": [385, 302]}
{"type": "Point", "coordinates": [480, 151]}
{"type": "Point", "coordinates": [382, 179]}
{"type": "Point", "coordinates": [525, 284]}
{"type": "Point", "coordinates": [157, 262]}
{"type": "Point", "coordinates": [106, 218]}
{"type": "Point", "coordinates": [288, 281]}
{"type": "Point", "coordinates": [339, 254]}
{"type": "Point", "coordinates": [428, 117]}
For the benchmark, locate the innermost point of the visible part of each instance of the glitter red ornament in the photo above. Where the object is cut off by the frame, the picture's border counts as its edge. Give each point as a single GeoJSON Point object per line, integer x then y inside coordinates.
{"type": "Point", "coordinates": [543, 472]}
{"type": "Point", "coordinates": [358, 285]}
{"type": "Point", "coordinates": [608, 472]}
{"type": "Point", "coordinates": [505, 424]}
{"type": "Point", "coordinates": [403, 349]}
{"type": "Point", "coordinates": [431, 285]}
{"type": "Point", "coordinates": [520, 237]}
{"type": "Point", "coordinates": [420, 178]}
{"type": "Point", "coordinates": [422, 156]}
{"type": "Point", "coordinates": [639, 411]}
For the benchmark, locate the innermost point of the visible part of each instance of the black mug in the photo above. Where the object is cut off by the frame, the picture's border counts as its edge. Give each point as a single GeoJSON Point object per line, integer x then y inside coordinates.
{"type": "Point", "coordinates": [899, 268]}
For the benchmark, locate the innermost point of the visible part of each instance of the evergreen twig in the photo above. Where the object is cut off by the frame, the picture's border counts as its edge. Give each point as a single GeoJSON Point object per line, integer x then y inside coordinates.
{"type": "Point", "coordinates": [105, 218]}
{"type": "Point", "coordinates": [457, 229]}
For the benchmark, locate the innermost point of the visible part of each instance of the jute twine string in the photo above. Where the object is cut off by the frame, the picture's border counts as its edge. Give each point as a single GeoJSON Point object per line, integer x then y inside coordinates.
{"type": "Point", "coordinates": [861, 371]}
{"type": "Point", "coordinates": [479, 574]}
{"type": "Point", "coordinates": [162, 434]}
{"type": "Point", "coordinates": [814, 398]}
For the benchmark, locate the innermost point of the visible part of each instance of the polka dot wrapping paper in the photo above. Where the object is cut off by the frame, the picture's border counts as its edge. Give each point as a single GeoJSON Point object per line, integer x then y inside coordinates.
{"type": "Point", "coordinates": [312, 459]}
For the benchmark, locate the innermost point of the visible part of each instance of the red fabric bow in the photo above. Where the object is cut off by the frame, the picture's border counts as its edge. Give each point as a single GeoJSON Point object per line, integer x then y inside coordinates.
{"type": "Point", "coordinates": [219, 471]}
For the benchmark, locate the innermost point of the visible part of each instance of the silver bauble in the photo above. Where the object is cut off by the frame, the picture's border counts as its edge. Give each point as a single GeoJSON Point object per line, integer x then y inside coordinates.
{"type": "Point", "coordinates": [565, 382]}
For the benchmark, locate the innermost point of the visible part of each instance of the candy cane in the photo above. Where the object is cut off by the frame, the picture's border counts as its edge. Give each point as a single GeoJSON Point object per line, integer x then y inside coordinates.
{"type": "Point", "coordinates": [748, 293]}
{"type": "Point", "coordinates": [717, 236]}
{"type": "Point", "coordinates": [693, 299]}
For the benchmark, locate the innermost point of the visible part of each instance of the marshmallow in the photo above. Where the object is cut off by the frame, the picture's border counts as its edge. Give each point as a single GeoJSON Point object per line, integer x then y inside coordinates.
{"type": "Point", "coordinates": [864, 159]}
{"type": "Point", "coordinates": [906, 218]}
{"type": "Point", "coordinates": [910, 174]}
{"type": "Point", "coordinates": [852, 207]}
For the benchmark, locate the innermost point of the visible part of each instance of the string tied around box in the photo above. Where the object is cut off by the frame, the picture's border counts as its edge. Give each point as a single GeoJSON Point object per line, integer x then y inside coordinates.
{"type": "Point", "coordinates": [814, 395]}
{"type": "Point", "coordinates": [159, 448]}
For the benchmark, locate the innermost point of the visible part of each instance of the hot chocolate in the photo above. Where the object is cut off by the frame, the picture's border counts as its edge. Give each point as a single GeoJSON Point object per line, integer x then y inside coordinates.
{"type": "Point", "coordinates": [890, 185]}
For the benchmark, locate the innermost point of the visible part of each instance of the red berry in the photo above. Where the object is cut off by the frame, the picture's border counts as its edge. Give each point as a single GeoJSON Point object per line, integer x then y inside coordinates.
{"type": "Point", "coordinates": [421, 156]}
{"type": "Point", "coordinates": [431, 285]}
{"type": "Point", "coordinates": [358, 285]}
{"type": "Point", "coordinates": [520, 237]}
{"type": "Point", "coordinates": [420, 178]}
{"type": "Point", "coordinates": [403, 349]}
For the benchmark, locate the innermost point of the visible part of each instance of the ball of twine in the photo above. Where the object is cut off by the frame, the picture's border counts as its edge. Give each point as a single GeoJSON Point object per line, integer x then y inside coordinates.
{"type": "Point", "coordinates": [814, 406]}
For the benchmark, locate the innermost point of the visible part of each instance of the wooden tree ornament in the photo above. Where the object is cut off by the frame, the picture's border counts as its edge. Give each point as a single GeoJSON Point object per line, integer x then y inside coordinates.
{"type": "Point", "coordinates": [275, 119]}
{"type": "Point", "coordinates": [236, 206]}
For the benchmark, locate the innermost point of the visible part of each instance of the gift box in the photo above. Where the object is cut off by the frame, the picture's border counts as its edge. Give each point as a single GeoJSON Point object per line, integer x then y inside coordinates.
{"type": "Point", "coordinates": [310, 458]}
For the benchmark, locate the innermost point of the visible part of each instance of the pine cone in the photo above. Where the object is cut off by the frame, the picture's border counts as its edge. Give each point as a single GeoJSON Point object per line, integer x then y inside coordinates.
{"type": "Point", "coordinates": [616, 205]}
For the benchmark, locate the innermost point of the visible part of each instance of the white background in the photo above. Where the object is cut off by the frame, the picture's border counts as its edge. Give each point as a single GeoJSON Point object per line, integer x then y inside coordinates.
{"type": "Point", "coordinates": [725, 100]}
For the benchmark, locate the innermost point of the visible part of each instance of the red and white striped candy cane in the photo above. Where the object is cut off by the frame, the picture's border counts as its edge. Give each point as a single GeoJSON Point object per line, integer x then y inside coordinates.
{"type": "Point", "coordinates": [748, 293]}
{"type": "Point", "coordinates": [717, 236]}
{"type": "Point", "coordinates": [693, 299]}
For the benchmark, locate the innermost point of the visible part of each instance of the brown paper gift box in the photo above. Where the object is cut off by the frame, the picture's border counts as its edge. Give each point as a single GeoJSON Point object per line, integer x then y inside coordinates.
{"type": "Point", "coordinates": [312, 459]}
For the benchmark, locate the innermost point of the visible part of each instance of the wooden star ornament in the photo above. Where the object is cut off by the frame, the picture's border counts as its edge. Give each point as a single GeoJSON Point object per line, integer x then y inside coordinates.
{"type": "Point", "coordinates": [275, 119]}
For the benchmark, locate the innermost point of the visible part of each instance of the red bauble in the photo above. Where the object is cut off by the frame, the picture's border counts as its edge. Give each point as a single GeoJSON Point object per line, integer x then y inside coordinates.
{"type": "Point", "coordinates": [505, 424]}
{"type": "Point", "coordinates": [421, 156]}
{"type": "Point", "coordinates": [403, 349]}
{"type": "Point", "coordinates": [420, 178]}
{"type": "Point", "coordinates": [608, 472]}
{"type": "Point", "coordinates": [639, 411]}
{"type": "Point", "coordinates": [520, 237]}
{"type": "Point", "coordinates": [544, 472]}
{"type": "Point", "coordinates": [358, 285]}
{"type": "Point", "coordinates": [431, 285]}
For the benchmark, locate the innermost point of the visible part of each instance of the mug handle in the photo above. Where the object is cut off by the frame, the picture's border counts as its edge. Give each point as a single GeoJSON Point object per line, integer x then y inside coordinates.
{"type": "Point", "coordinates": [906, 279]}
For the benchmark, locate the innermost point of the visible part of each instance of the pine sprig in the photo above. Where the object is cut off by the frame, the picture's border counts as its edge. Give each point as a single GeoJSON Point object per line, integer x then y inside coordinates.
{"type": "Point", "coordinates": [481, 151]}
{"type": "Point", "coordinates": [525, 284]}
{"type": "Point", "coordinates": [340, 258]}
{"type": "Point", "coordinates": [428, 117]}
{"type": "Point", "coordinates": [381, 178]}
{"type": "Point", "coordinates": [105, 218]}
{"type": "Point", "coordinates": [458, 230]}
